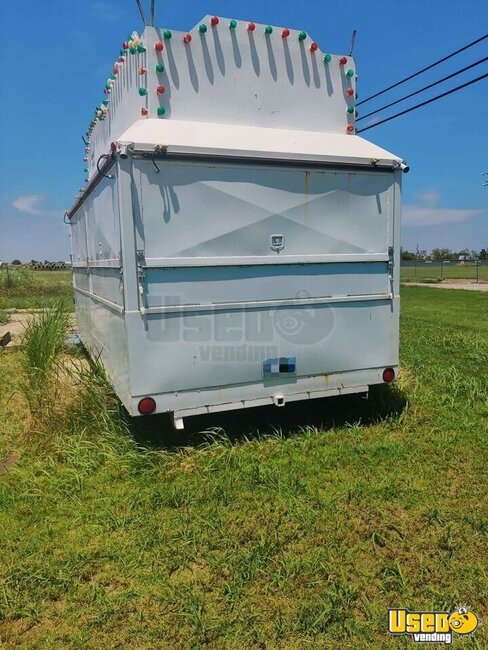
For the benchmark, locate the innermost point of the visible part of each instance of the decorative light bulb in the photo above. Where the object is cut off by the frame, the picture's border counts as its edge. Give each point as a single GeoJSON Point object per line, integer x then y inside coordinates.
{"type": "Point", "coordinates": [350, 73]}
{"type": "Point", "coordinates": [187, 38]}
{"type": "Point", "coordinates": [251, 27]}
{"type": "Point", "coordinates": [233, 24]}
{"type": "Point", "coordinates": [161, 110]}
{"type": "Point", "coordinates": [159, 47]}
{"type": "Point", "coordinates": [327, 58]}
{"type": "Point", "coordinates": [350, 109]}
{"type": "Point", "coordinates": [142, 92]}
{"type": "Point", "coordinates": [268, 30]}
{"type": "Point", "coordinates": [144, 111]}
{"type": "Point", "coordinates": [105, 102]}
{"type": "Point", "coordinates": [142, 70]}
{"type": "Point", "coordinates": [285, 32]}
{"type": "Point", "coordinates": [343, 60]}
{"type": "Point", "coordinates": [160, 89]}
{"type": "Point", "coordinates": [350, 91]}
{"type": "Point", "coordinates": [302, 36]}
{"type": "Point", "coordinates": [159, 67]}
{"type": "Point", "coordinates": [314, 47]}
{"type": "Point", "coordinates": [214, 21]}
{"type": "Point", "coordinates": [167, 34]}
{"type": "Point", "coordinates": [141, 48]}
{"type": "Point", "coordinates": [133, 49]}
{"type": "Point", "coordinates": [350, 128]}
{"type": "Point", "coordinates": [202, 29]}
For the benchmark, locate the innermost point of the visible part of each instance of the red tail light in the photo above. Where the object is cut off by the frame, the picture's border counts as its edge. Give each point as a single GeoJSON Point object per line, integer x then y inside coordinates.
{"type": "Point", "coordinates": [146, 406]}
{"type": "Point", "coordinates": [388, 375]}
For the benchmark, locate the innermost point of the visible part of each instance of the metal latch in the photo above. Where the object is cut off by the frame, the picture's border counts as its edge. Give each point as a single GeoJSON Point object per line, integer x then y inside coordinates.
{"type": "Point", "coordinates": [140, 270]}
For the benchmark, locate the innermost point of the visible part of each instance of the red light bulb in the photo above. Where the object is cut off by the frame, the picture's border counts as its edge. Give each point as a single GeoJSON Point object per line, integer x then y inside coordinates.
{"type": "Point", "coordinates": [121, 59]}
{"type": "Point", "coordinates": [125, 45]}
{"type": "Point", "coordinates": [314, 47]}
{"type": "Point", "coordinates": [343, 60]}
{"type": "Point", "coordinates": [144, 111]}
{"type": "Point", "coordinates": [350, 91]}
{"type": "Point", "coordinates": [146, 406]}
{"type": "Point", "coordinates": [160, 89]}
{"type": "Point", "coordinates": [251, 27]}
{"type": "Point", "coordinates": [142, 70]}
{"type": "Point", "coordinates": [214, 21]}
{"type": "Point", "coordinates": [350, 128]}
{"type": "Point", "coordinates": [285, 33]}
{"type": "Point", "coordinates": [159, 47]}
{"type": "Point", "coordinates": [187, 38]}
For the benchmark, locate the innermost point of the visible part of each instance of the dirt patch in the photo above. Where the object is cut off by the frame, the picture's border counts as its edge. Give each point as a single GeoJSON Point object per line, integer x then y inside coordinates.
{"type": "Point", "coordinates": [451, 284]}
{"type": "Point", "coordinates": [16, 325]}
{"type": "Point", "coordinates": [7, 463]}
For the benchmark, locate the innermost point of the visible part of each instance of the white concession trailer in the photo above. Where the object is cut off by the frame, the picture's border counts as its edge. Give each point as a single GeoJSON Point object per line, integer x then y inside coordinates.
{"type": "Point", "coordinates": [236, 243]}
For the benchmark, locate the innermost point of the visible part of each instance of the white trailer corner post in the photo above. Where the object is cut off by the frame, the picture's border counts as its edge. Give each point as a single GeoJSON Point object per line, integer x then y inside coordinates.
{"type": "Point", "coordinates": [236, 243]}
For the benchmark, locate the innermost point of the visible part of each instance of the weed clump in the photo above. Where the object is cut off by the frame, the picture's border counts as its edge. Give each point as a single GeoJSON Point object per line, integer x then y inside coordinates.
{"type": "Point", "coordinates": [69, 397]}
{"type": "Point", "coordinates": [42, 342]}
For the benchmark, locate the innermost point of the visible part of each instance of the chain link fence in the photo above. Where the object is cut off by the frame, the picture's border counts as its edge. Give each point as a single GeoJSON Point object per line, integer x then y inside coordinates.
{"type": "Point", "coordinates": [440, 270]}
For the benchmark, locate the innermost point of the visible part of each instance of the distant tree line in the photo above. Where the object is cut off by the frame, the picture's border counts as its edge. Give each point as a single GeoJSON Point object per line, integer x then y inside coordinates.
{"type": "Point", "coordinates": [37, 264]}
{"type": "Point", "coordinates": [445, 254]}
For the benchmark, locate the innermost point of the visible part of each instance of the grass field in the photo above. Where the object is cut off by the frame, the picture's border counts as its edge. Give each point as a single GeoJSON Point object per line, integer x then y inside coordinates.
{"type": "Point", "coordinates": [452, 271]}
{"type": "Point", "coordinates": [27, 289]}
{"type": "Point", "coordinates": [289, 528]}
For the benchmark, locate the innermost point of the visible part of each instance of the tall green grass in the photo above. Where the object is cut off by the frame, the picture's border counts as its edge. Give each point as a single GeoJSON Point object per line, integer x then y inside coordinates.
{"type": "Point", "coordinates": [298, 533]}
{"type": "Point", "coordinates": [42, 342]}
{"type": "Point", "coordinates": [23, 288]}
{"type": "Point", "coordinates": [19, 279]}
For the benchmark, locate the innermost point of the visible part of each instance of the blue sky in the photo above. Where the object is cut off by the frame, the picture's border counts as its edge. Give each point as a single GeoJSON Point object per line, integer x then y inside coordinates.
{"type": "Point", "coordinates": [58, 54]}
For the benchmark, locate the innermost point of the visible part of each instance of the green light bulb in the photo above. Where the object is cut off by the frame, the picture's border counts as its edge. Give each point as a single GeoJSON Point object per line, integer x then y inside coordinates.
{"type": "Point", "coordinates": [86, 170]}
{"type": "Point", "coordinates": [161, 110]}
{"type": "Point", "coordinates": [133, 49]}
{"type": "Point", "coordinates": [202, 29]}
{"type": "Point", "coordinates": [233, 24]}
{"type": "Point", "coordinates": [105, 101]}
{"type": "Point", "coordinates": [350, 109]}
{"type": "Point", "coordinates": [167, 34]}
{"type": "Point", "coordinates": [350, 73]}
{"type": "Point", "coordinates": [327, 58]}
{"type": "Point", "coordinates": [268, 30]}
{"type": "Point", "coordinates": [108, 86]}
{"type": "Point", "coordinates": [130, 37]}
{"type": "Point", "coordinates": [302, 36]}
{"type": "Point", "coordinates": [141, 48]}
{"type": "Point", "coordinates": [122, 52]}
{"type": "Point", "coordinates": [159, 67]}
{"type": "Point", "coordinates": [142, 92]}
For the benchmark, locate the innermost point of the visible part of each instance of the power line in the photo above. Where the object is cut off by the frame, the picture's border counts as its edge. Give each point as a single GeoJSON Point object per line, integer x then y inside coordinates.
{"type": "Point", "coordinates": [435, 83]}
{"type": "Point", "coordinates": [428, 101]}
{"type": "Point", "coordinates": [432, 65]}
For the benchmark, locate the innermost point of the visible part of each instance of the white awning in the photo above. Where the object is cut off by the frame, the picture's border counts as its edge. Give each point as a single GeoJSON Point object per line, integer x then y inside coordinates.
{"type": "Point", "coordinates": [203, 138]}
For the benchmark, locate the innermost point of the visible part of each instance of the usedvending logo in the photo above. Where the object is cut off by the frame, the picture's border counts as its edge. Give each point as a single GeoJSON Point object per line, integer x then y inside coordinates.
{"type": "Point", "coordinates": [432, 627]}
